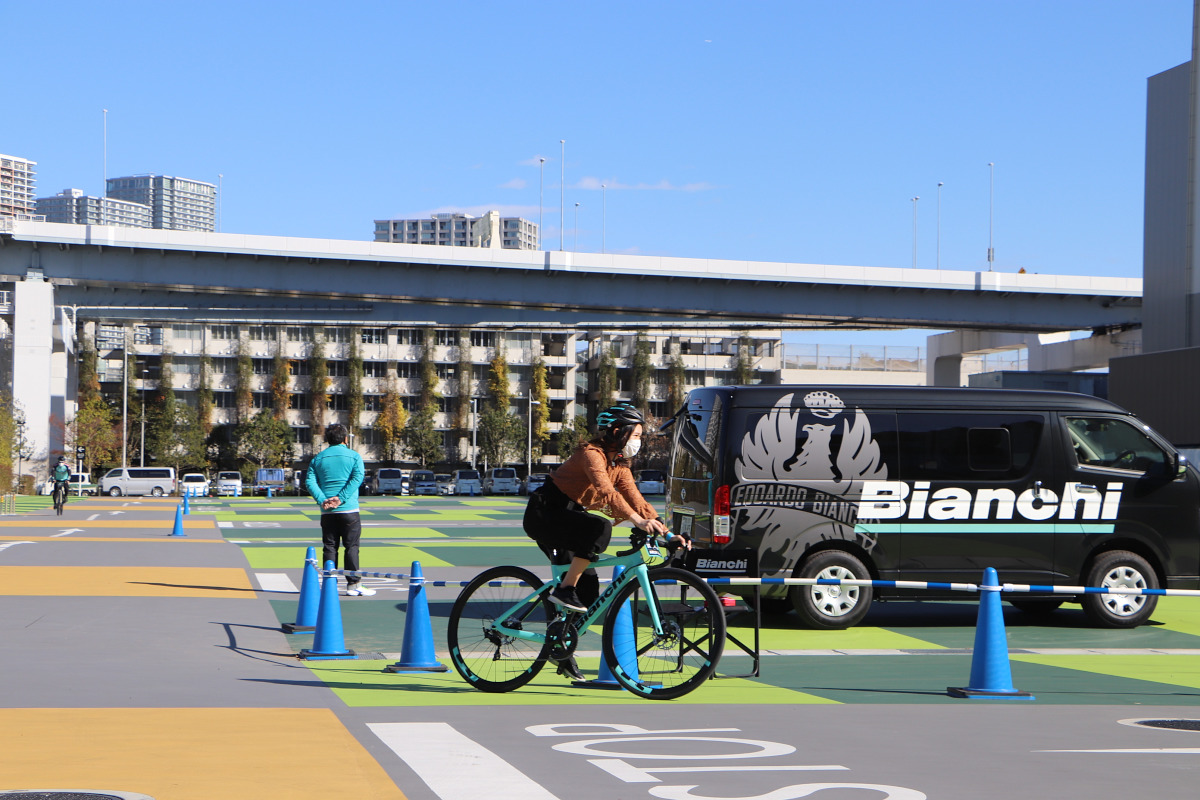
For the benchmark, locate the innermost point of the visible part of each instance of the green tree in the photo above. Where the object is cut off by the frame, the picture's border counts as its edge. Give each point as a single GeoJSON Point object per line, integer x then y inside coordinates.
{"type": "Point", "coordinates": [501, 436]}
{"type": "Point", "coordinates": [466, 382]}
{"type": "Point", "coordinates": [187, 445]}
{"type": "Point", "coordinates": [642, 373]}
{"type": "Point", "coordinates": [8, 442]}
{"type": "Point", "coordinates": [540, 424]}
{"type": "Point", "coordinates": [427, 393]}
{"type": "Point", "coordinates": [606, 377]}
{"type": "Point", "coordinates": [422, 440]}
{"type": "Point", "coordinates": [263, 440]}
{"type": "Point", "coordinates": [161, 413]}
{"type": "Point", "coordinates": [244, 391]}
{"type": "Point", "coordinates": [280, 377]}
{"type": "Point", "coordinates": [318, 387]}
{"type": "Point", "coordinates": [676, 383]}
{"type": "Point", "coordinates": [95, 428]}
{"type": "Point", "coordinates": [354, 384]}
{"type": "Point", "coordinates": [570, 437]}
{"type": "Point", "coordinates": [204, 396]}
{"type": "Point", "coordinates": [390, 423]}
{"type": "Point", "coordinates": [743, 368]}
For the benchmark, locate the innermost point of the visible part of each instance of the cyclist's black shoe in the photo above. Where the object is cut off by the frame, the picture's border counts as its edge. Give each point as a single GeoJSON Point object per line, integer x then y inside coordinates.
{"type": "Point", "coordinates": [569, 668]}
{"type": "Point", "coordinates": [565, 596]}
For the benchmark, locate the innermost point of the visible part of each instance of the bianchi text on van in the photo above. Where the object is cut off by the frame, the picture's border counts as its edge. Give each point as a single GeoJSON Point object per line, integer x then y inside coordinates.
{"type": "Point", "coordinates": [896, 500]}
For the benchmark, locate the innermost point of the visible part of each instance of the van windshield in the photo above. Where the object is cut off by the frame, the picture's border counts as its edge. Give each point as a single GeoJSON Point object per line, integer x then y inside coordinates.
{"type": "Point", "coordinates": [422, 476]}
{"type": "Point", "coordinates": [229, 476]}
{"type": "Point", "coordinates": [390, 473]}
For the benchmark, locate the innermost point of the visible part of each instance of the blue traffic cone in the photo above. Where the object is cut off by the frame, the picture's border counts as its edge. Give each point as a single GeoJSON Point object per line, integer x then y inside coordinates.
{"type": "Point", "coordinates": [328, 641]}
{"type": "Point", "coordinates": [178, 529]}
{"type": "Point", "coordinates": [310, 595]}
{"type": "Point", "coordinates": [991, 677]}
{"type": "Point", "coordinates": [186, 509]}
{"type": "Point", "coordinates": [623, 642]}
{"type": "Point", "coordinates": [416, 653]}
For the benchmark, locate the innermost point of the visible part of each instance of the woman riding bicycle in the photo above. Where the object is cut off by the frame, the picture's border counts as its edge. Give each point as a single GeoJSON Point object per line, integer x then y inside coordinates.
{"type": "Point", "coordinates": [595, 477]}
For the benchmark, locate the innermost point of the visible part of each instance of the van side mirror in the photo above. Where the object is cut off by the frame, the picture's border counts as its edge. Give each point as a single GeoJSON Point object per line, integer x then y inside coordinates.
{"type": "Point", "coordinates": [1178, 465]}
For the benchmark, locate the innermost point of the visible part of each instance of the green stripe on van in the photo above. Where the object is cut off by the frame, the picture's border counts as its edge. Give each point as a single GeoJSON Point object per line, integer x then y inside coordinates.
{"type": "Point", "coordinates": [982, 527]}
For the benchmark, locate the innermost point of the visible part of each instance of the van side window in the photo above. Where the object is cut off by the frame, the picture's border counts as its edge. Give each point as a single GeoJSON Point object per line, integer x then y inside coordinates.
{"type": "Point", "coordinates": [1113, 443]}
{"type": "Point", "coordinates": [954, 446]}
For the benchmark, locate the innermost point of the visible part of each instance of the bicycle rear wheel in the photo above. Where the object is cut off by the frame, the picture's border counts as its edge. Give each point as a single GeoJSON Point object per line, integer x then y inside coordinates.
{"type": "Point", "coordinates": [487, 659]}
{"type": "Point", "coordinates": [685, 655]}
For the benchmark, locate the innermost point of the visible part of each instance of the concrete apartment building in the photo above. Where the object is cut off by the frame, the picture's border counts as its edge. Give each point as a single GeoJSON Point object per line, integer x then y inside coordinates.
{"type": "Point", "coordinates": [461, 230]}
{"type": "Point", "coordinates": [73, 207]}
{"type": "Point", "coordinates": [177, 204]}
{"type": "Point", "coordinates": [18, 185]}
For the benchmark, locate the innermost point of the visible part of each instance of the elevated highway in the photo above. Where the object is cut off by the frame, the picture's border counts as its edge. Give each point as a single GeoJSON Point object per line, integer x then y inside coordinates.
{"type": "Point", "coordinates": [147, 274]}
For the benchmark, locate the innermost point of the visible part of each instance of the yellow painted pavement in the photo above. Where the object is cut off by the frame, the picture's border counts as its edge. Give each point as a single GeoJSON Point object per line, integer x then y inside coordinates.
{"type": "Point", "coordinates": [190, 753]}
{"type": "Point", "coordinates": [164, 538]}
{"type": "Point", "coordinates": [227, 582]}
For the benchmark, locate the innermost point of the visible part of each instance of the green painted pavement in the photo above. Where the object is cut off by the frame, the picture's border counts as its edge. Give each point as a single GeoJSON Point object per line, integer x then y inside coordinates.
{"type": "Point", "coordinates": [374, 556]}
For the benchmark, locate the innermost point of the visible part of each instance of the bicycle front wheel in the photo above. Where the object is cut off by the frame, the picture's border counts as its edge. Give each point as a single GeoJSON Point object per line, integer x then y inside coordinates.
{"type": "Point", "coordinates": [671, 664]}
{"type": "Point", "coordinates": [489, 659]}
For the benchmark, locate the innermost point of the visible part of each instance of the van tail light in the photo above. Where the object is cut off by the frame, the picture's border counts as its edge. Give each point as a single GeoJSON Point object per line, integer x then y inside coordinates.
{"type": "Point", "coordinates": [720, 529]}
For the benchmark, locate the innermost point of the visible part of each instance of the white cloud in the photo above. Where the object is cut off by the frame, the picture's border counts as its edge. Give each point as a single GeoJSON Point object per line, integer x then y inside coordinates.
{"type": "Point", "coordinates": [515, 183]}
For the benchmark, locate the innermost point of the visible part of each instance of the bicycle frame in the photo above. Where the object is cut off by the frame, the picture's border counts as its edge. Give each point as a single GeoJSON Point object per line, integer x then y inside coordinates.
{"type": "Point", "coordinates": [637, 567]}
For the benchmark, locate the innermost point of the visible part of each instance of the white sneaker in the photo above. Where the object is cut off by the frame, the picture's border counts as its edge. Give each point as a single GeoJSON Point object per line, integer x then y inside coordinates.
{"type": "Point", "coordinates": [358, 590]}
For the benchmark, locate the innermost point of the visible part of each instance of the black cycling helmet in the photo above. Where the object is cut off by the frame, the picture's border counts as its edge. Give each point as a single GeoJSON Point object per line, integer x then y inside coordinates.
{"type": "Point", "coordinates": [62, 459]}
{"type": "Point", "coordinates": [619, 416]}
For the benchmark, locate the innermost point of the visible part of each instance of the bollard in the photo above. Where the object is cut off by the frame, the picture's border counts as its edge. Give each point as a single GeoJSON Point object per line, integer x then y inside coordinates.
{"type": "Point", "coordinates": [624, 639]}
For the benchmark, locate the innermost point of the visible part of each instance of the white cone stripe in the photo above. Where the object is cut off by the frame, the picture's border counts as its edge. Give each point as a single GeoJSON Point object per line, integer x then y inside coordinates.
{"type": "Point", "coordinates": [455, 767]}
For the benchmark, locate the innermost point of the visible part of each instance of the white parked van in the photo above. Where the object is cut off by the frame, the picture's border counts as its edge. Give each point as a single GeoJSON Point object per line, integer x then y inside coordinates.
{"type": "Point", "coordinates": [156, 481]}
{"type": "Point", "coordinates": [501, 480]}
{"type": "Point", "coordinates": [466, 481]}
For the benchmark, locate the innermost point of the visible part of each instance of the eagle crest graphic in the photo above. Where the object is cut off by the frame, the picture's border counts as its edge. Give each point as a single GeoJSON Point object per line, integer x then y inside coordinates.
{"type": "Point", "coordinates": [796, 445]}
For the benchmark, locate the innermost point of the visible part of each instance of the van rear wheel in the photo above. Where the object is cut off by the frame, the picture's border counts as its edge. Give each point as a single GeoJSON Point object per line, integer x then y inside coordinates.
{"type": "Point", "coordinates": [1124, 570]}
{"type": "Point", "coordinates": [157, 491]}
{"type": "Point", "coordinates": [114, 492]}
{"type": "Point", "coordinates": [831, 607]}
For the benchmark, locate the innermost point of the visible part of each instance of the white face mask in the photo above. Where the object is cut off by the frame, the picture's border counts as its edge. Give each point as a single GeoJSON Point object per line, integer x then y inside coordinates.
{"type": "Point", "coordinates": [631, 448]}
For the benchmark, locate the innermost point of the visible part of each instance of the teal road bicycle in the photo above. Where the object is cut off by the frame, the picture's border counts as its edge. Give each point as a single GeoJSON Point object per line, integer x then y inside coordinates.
{"type": "Point", "coordinates": [663, 634]}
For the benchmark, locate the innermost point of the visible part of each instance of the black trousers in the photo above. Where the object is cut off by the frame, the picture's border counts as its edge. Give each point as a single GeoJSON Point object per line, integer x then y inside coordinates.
{"type": "Point", "coordinates": [341, 530]}
{"type": "Point", "coordinates": [563, 529]}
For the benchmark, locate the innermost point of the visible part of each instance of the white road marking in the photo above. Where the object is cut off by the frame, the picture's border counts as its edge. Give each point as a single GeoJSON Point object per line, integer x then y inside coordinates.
{"type": "Point", "coordinates": [276, 582]}
{"type": "Point", "coordinates": [455, 767]}
{"type": "Point", "coordinates": [92, 517]}
{"type": "Point", "coordinates": [66, 532]}
{"type": "Point", "coordinates": [7, 545]}
{"type": "Point", "coordinates": [224, 524]}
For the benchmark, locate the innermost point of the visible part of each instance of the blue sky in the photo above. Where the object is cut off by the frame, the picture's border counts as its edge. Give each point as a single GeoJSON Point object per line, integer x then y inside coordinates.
{"type": "Point", "coordinates": [768, 131]}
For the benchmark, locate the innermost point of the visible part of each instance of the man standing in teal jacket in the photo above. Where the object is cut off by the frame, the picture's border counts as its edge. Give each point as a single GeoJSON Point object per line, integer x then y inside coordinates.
{"type": "Point", "coordinates": [334, 476]}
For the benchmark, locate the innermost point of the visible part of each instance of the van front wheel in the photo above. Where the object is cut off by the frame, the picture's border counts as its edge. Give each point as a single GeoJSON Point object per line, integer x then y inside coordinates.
{"type": "Point", "coordinates": [828, 606]}
{"type": "Point", "coordinates": [1120, 569]}
{"type": "Point", "coordinates": [114, 492]}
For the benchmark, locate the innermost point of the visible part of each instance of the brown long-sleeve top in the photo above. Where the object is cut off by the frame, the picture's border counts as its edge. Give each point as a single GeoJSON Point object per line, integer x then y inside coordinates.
{"type": "Point", "coordinates": [597, 483]}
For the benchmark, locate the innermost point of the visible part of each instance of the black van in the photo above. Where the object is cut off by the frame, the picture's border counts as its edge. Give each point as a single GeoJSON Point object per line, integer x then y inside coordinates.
{"type": "Point", "coordinates": [925, 484]}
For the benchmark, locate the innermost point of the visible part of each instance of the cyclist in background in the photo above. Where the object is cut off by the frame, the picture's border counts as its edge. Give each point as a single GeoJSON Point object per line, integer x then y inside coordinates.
{"type": "Point", "coordinates": [61, 477]}
{"type": "Point", "coordinates": [595, 477]}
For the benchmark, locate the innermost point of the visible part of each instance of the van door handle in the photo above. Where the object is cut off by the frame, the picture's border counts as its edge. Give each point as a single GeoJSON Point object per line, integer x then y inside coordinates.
{"type": "Point", "coordinates": [1037, 490]}
{"type": "Point", "coordinates": [1086, 487]}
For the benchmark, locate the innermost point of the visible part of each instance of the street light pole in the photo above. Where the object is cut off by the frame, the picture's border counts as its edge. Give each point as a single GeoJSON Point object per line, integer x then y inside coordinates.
{"type": "Point", "coordinates": [991, 196]}
{"type": "Point", "coordinates": [914, 202]}
{"type": "Point", "coordinates": [603, 218]}
{"type": "Point", "coordinates": [562, 194]}
{"type": "Point", "coordinates": [124, 397]}
{"type": "Point", "coordinates": [474, 431]}
{"type": "Point", "coordinates": [939, 226]}
{"type": "Point", "coordinates": [541, 184]}
{"type": "Point", "coordinates": [575, 246]}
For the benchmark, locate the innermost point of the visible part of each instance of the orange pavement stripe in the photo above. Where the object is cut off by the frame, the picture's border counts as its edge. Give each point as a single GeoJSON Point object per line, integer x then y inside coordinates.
{"type": "Point", "coordinates": [73, 538]}
{"type": "Point", "coordinates": [190, 753]}
{"type": "Point", "coordinates": [225, 582]}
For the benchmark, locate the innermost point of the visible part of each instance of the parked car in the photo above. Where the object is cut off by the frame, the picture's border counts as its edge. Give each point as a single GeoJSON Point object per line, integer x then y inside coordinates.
{"type": "Point", "coordinates": [466, 481]}
{"type": "Point", "coordinates": [422, 482]}
{"type": "Point", "coordinates": [80, 482]}
{"type": "Point", "coordinates": [228, 484]}
{"type": "Point", "coordinates": [501, 480]}
{"type": "Point", "coordinates": [389, 480]}
{"type": "Point", "coordinates": [651, 481]}
{"type": "Point", "coordinates": [193, 484]}
{"type": "Point", "coordinates": [156, 481]}
{"type": "Point", "coordinates": [368, 484]}
{"type": "Point", "coordinates": [534, 482]}
{"type": "Point", "coordinates": [445, 483]}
